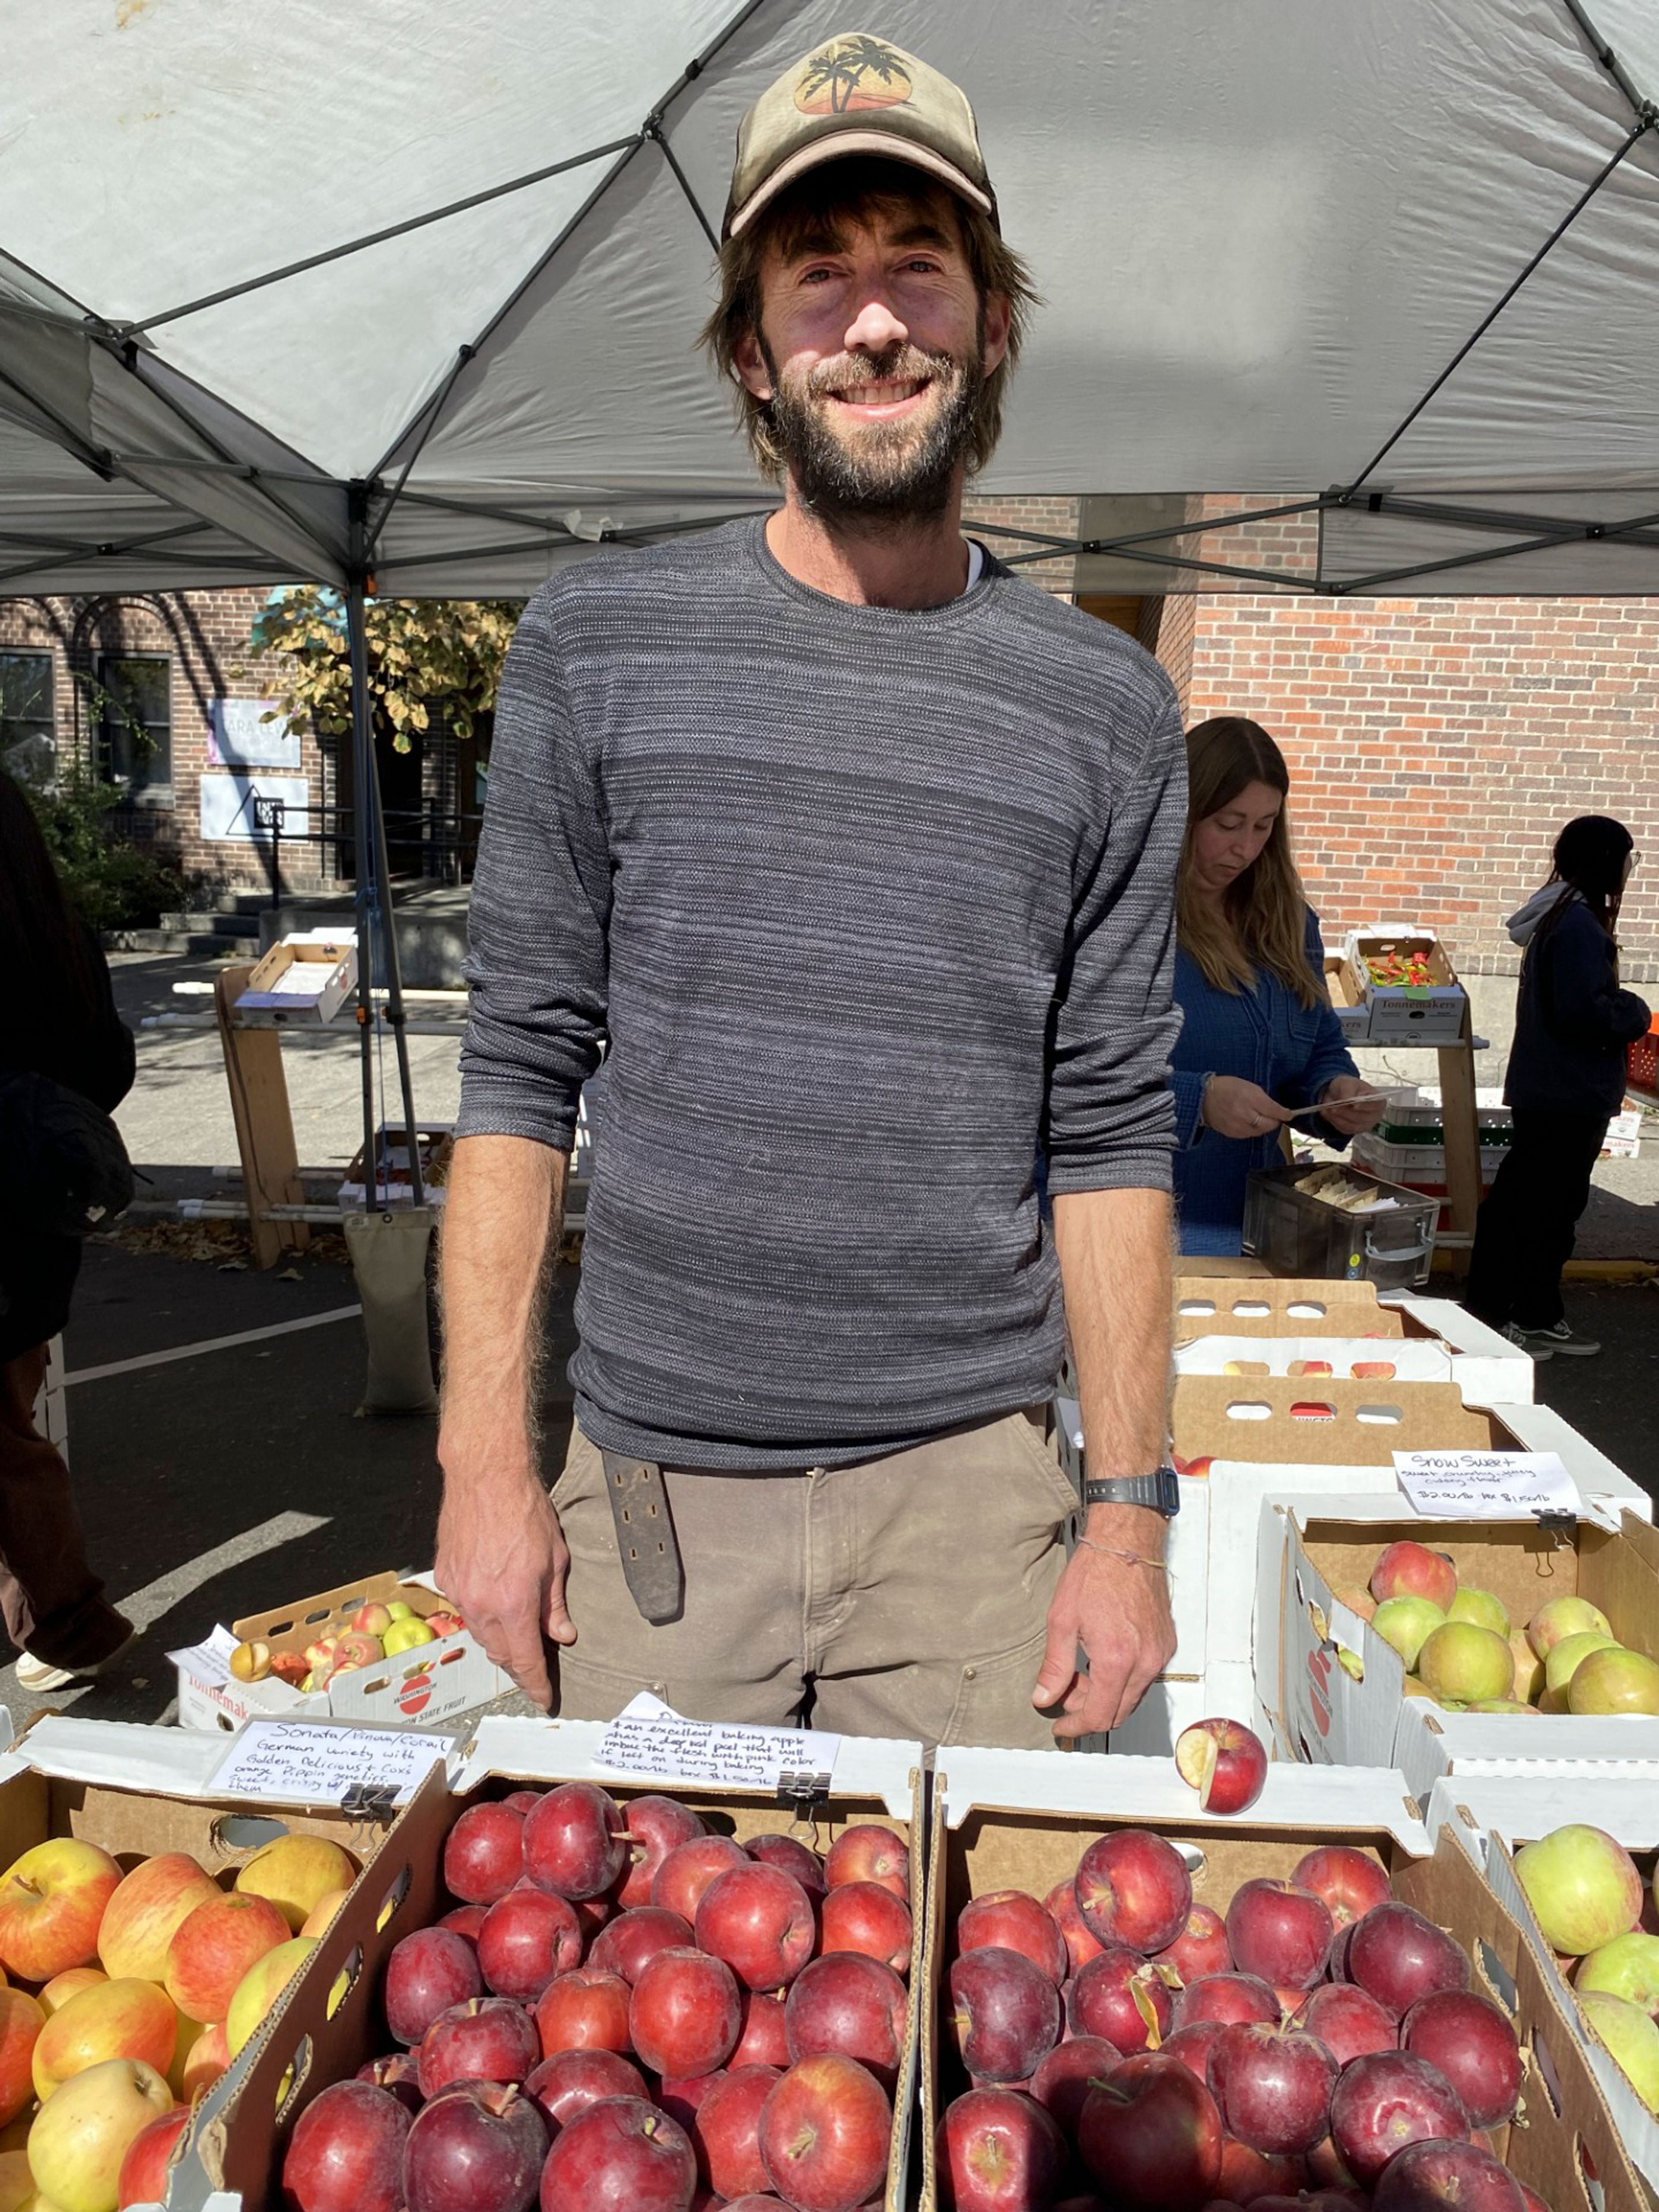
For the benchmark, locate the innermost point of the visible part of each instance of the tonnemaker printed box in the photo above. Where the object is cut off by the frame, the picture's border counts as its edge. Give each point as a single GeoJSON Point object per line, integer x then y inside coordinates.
{"type": "Point", "coordinates": [1320, 1710]}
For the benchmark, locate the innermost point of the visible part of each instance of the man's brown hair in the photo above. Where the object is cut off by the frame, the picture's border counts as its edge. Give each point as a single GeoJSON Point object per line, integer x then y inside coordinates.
{"type": "Point", "coordinates": [815, 211]}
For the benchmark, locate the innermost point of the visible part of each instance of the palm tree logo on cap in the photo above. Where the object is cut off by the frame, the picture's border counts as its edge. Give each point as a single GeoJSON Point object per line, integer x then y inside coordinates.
{"type": "Point", "coordinates": [849, 74]}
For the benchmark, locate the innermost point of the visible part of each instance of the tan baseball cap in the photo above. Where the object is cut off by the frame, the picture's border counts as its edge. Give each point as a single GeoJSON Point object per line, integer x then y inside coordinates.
{"type": "Point", "coordinates": [857, 93]}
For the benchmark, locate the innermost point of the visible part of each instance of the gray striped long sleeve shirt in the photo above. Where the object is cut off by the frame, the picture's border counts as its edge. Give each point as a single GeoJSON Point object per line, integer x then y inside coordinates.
{"type": "Point", "coordinates": [870, 910]}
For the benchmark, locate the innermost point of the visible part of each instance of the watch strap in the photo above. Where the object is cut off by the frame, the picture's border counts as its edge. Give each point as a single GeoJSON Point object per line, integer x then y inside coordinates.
{"type": "Point", "coordinates": [1160, 1490]}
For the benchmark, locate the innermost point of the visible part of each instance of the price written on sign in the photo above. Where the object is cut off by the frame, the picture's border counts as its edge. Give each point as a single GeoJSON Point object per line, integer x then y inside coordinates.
{"type": "Point", "coordinates": [648, 1737]}
{"type": "Point", "coordinates": [1487, 1485]}
{"type": "Point", "coordinates": [317, 1762]}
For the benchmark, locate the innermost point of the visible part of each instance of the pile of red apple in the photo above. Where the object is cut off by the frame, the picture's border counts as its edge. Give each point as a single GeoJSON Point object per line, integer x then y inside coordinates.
{"type": "Point", "coordinates": [1318, 2049]}
{"type": "Point", "coordinates": [128, 1994]}
{"type": "Point", "coordinates": [626, 2013]}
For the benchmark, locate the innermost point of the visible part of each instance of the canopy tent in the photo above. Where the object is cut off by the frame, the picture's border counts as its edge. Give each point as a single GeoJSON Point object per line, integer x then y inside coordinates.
{"type": "Point", "coordinates": [313, 291]}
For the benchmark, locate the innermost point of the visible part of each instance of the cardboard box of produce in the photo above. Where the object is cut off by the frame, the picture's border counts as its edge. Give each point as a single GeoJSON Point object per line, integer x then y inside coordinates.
{"type": "Point", "coordinates": [1283, 1308]}
{"type": "Point", "coordinates": [1429, 1012]}
{"type": "Point", "coordinates": [1022, 1820]}
{"type": "Point", "coordinates": [1498, 1815]}
{"type": "Point", "coordinates": [145, 1795]}
{"type": "Point", "coordinates": [427, 1683]}
{"type": "Point", "coordinates": [1346, 1003]}
{"type": "Point", "coordinates": [323, 2039]}
{"type": "Point", "coordinates": [1357, 1713]}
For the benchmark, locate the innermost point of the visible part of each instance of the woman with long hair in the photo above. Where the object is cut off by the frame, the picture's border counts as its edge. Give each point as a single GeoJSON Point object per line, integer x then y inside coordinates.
{"type": "Point", "coordinates": [60, 1024]}
{"type": "Point", "coordinates": [1565, 1083]}
{"type": "Point", "coordinates": [1259, 1039]}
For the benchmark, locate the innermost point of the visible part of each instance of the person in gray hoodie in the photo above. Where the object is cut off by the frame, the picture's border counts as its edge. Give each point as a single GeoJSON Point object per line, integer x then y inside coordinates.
{"type": "Point", "coordinates": [1565, 1081]}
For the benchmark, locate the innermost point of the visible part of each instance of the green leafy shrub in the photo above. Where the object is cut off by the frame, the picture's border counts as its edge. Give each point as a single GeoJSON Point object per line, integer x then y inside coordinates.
{"type": "Point", "coordinates": [112, 881]}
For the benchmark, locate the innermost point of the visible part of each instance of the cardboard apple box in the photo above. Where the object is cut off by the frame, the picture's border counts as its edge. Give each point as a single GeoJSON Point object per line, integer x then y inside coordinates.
{"type": "Point", "coordinates": [1311, 1548]}
{"type": "Point", "coordinates": [323, 2039]}
{"type": "Point", "coordinates": [1399, 1014]}
{"type": "Point", "coordinates": [432, 1682]}
{"type": "Point", "coordinates": [1023, 1819]}
{"type": "Point", "coordinates": [1495, 1814]}
{"type": "Point", "coordinates": [1353, 1015]}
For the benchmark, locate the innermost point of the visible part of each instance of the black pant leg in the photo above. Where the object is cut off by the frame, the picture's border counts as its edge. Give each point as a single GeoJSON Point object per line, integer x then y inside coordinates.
{"type": "Point", "coordinates": [1561, 1151]}
{"type": "Point", "coordinates": [1489, 1293]}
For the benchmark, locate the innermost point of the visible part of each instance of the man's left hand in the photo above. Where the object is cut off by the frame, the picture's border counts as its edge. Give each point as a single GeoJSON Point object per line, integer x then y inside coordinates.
{"type": "Point", "coordinates": [1118, 1614]}
{"type": "Point", "coordinates": [1349, 1120]}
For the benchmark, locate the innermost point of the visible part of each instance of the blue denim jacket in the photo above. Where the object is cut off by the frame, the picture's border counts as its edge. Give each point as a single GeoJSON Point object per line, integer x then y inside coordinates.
{"type": "Point", "coordinates": [1267, 1036]}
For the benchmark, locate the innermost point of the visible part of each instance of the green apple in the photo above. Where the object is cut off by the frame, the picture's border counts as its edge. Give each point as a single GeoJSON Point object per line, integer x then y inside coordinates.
{"type": "Point", "coordinates": [1462, 1661]}
{"type": "Point", "coordinates": [1583, 1887]}
{"type": "Point", "coordinates": [404, 1635]}
{"type": "Point", "coordinates": [1564, 1616]}
{"type": "Point", "coordinates": [1481, 1607]}
{"type": "Point", "coordinates": [1568, 1655]}
{"type": "Point", "coordinates": [1627, 1967]}
{"type": "Point", "coordinates": [1614, 1680]}
{"type": "Point", "coordinates": [399, 1609]}
{"type": "Point", "coordinates": [1407, 1623]}
{"type": "Point", "coordinates": [1501, 1705]}
{"type": "Point", "coordinates": [1629, 2038]}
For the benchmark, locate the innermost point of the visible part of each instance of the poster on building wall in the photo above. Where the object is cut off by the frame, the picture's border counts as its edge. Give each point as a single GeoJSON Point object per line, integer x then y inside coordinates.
{"type": "Point", "coordinates": [239, 738]}
{"type": "Point", "coordinates": [238, 809]}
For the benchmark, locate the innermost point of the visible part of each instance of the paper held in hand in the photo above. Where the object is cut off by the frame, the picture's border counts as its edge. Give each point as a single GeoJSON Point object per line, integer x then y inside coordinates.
{"type": "Point", "coordinates": [648, 1737]}
{"type": "Point", "coordinates": [1487, 1485]}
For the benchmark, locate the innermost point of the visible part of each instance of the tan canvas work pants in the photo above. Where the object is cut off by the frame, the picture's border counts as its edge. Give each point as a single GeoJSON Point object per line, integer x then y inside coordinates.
{"type": "Point", "coordinates": [904, 1596]}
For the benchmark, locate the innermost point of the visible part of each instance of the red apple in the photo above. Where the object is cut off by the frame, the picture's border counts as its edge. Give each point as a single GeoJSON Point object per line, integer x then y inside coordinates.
{"type": "Point", "coordinates": [144, 2175]}
{"type": "Point", "coordinates": [1254, 2177]}
{"type": "Point", "coordinates": [1280, 1933]}
{"type": "Point", "coordinates": [430, 1971]}
{"type": "Point", "coordinates": [1384, 2102]}
{"type": "Point", "coordinates": [143, 1912]}
{"type": "Point", "coordinates": [585, 2009]}
{"type": "Point", "coordinates": [621, 2154]}
{"type": "Point", "coordinates": [346, 2153]}
{"type": "Point", "coordinates": [1226, 1997]}
{"type": "Point", "coordinates": [480, 2144]}
{"type": "Point", "coordinates": [1351, 1881]}
{"type": "Point", "coordinates": [1201, 1948]}
{"type": "Point", "coordinates": [763, 2040]}
{"type": "Point", "coordinates": [1397, 1956]}
{"type": "Point", "coordinates": [1411, 1570]}
{"type": "Point", "coordinates": [1121, 1997]}
{"type": "Point", "coordinates": [727, 2129]}
{"type": "Point", "coordinates": [529, 1937]}
{"type": "Point", "coordinates": [862, 1916]}
{"type": "Point", "coordinates": [1012, 1921]}
{"type": "Point", "coordinates": [825, 2133]}
{"type": "Point", "coordinates": [1005, 2015]}
{"type": "Point", "coordinates": [760, 1921]}
{"type": "Point", "coordinates": [1064, 2077]}
{"type": "Point", "coordinates": [685, 2012]}
{"type": "Point", "coordinates": [1082, 1946]}
{"type": "Point", "coordinates": [483, 1853]}
{"type": "Point", "coordinates": [1133, 1888]}
{"type": "Point", "coordinates": [398, 2073]}
{"type": "Point", "coordinates": [52, 1905]}
{"type": "Point", "coordinates": [485, 2039]}
{"type": "Point", "coordinates": [1193, 2045]}
{"type": "Point", "coordinates": [465, 1920]}
{"type": "Point", "coordinates": [520, 1801]}
{"type": "Point", "coordinates": [1272, 2087]}
{"type": "Point", "coordinates": [792, 1857]}
{"type": "Point", "coordinates": [851, 2003]}
{"type": "Point", "coordinates": [571, 2080]}
{"type": "Point", "coordinates": [869, 1853]}
{"type": "Point", "coordinates": [627, 1945]}
{"type": "Point", "coordinates": [691, 1869]}
{"type": "Point", "coordinates": [574, 1843]}
{"type": "Point", "coordinates": [1225, 1762]}
{"type": "Point", "coordinates": [1326, 2169]}
{"type": "Point", "coordinates": [128, 2019]}
{"type": "Point", "coordinates": [1473, 2046]}
{"type": "Point", "coordinates": [682, 2097]}
{"type": "Point", "coordinates": [1348, 2022]}
{"type": "Point", "coordinates": [214, 1946]}
{"type": "Point", "coordinates": [998, 2151]}
{"type": "Point", "coordinates": [1151, 2135]}
{"type": "Point", "coordinates": [1431, 2176]}
{"type": "Point", "coordinates": [655, 1825]}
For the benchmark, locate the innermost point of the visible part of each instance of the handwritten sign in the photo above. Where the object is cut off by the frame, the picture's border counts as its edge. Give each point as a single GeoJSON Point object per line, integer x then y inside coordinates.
{"type": "Point", "coordinates": [648, 1737]}
{"type": "Point", "coordinates": [317, 1762]}
{"type": "Point", "coordinates": [1486, 1485]}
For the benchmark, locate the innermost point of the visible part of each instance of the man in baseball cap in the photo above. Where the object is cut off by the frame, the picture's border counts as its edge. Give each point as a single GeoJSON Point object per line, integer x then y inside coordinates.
{"type": "Point", "coordinates": [855, 855]}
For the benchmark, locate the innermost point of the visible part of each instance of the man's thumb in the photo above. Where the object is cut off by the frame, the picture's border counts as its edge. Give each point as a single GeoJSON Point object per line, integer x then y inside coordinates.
{"type": "Point", "coordinates": [1059, 1667]}
{"type": "Point", "coordinates": [559, 1626]}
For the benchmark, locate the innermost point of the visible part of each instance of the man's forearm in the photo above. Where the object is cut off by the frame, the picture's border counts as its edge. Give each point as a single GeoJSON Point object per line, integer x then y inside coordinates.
{"type": "Point", "coordinates": [1113, 1248]}
{"type": "Point", "coordinates": [506, 1197]}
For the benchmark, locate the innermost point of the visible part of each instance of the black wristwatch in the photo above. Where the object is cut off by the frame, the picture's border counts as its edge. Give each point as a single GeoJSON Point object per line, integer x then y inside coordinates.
{"type": "Point", "coordinates": [1160, 1490]}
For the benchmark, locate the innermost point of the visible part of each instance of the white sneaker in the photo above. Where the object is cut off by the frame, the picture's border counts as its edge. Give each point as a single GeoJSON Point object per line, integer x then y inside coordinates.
{"type": "Point", "coordinates": [39, 1676]}
{"type": "Point", "coordinates": [1560, 1339]}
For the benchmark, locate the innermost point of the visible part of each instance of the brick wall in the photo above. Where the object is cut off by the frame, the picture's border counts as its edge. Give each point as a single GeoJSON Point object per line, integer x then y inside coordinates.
{"type": "Point", "coordinates": [205, 635]}
{"type": "Point", "coordinates": [1436, 745]}
{"type": "Point", "coordinates": [1045, 516]}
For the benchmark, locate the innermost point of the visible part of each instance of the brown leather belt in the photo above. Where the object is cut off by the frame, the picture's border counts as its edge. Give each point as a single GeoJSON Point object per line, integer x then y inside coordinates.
{"type": "Point", "coordinates": [646, 1542]}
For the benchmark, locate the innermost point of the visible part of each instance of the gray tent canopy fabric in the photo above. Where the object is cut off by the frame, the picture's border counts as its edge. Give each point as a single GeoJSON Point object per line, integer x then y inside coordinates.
{"type": "Point", "coordinates": [1338, 298]}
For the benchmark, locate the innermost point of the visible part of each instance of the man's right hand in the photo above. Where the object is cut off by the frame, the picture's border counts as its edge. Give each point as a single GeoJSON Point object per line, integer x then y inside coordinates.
{"type": "Point", "coordinates": [502, 1562]}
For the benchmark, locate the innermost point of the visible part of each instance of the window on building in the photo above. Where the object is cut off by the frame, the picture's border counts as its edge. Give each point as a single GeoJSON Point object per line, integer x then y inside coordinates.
{"type": "Point", "coordinates": [135, 694]}
{"type": "Point", "coordinates": [27, 746]}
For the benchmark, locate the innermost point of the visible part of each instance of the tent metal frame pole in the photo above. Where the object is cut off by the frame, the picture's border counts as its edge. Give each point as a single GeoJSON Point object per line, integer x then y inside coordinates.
{"type": "Point", "coordinates": [1608, 60]}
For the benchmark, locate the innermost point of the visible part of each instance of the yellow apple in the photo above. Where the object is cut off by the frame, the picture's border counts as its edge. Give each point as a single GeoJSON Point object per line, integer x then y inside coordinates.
{"type": "Point", "coordinates": [212, 1950]}
{"type": "Point", "coordinates": [205, 2060]}
{"type": "Point", "coordinates": [322, 1911]}
{"type": "Point", "coordinates": [140, 1919]}
{"type": "Point", "coordinates": [16, 2181]}
{"type": "Point", "coordinates": [405, 1634]}
{"type": "Point", "coordinates": [114, 2019]}
{"type": "Point", "coordinates": [258, 1991]}
{"type": "Point", "coordinates": [55, 1994]}
{"type": "Point", "coordinates": [52, 1901]}
{"type": "Point", "coordinates": [295, 1872]}
{"type": "Point", "coordinates": [82, 2133]}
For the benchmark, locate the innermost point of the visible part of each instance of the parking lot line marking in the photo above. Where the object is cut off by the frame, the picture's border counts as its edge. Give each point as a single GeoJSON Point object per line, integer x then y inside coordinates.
{"type": "Point", "coordinates": [210, 1344]}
